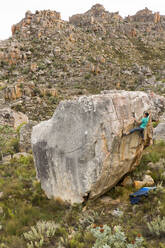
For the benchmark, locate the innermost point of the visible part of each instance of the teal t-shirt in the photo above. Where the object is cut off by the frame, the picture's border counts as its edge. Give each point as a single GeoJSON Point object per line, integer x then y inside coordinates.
{"type": "Point", "coordinates": [144, 122]}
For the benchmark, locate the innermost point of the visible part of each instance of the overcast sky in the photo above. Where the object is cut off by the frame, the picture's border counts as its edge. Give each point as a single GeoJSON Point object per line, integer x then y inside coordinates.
{"type": "Point", "coordinates": [12, 11]}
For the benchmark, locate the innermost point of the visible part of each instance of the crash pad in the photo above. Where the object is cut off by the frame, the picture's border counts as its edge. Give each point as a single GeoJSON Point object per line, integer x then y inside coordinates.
{"type": "Point", "coordinates": [137, 196]}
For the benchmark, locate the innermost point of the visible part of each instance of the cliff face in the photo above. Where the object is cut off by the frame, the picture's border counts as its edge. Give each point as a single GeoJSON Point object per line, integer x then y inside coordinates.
{"type": "Point", "coordinates": [29, 25]}
{"type": "Point", "coordinates": [146, 15]}
{"type": "Point", "coordinates": [96, 15]}
{"type": "Point", "coordinates": [48, 59]}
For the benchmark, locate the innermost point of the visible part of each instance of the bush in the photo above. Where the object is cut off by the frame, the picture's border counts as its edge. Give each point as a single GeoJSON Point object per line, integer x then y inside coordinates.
{"type": "Point", "coordinates": [19, 127]}
{"type": "Point", "coordinates": [157, 227]}
{"type": "Point", "coordinates": [87, 76]}
{"type": "Point", "coordinates": [14, 144]}
{"type": "Point", "coordinates": [25, 160]}
{"type": "Point", "coordinates": [153, 157]}
{"type": "Point", "coordinates": [9, 143]}
{"type": "Point", "coordinates": [155, 123]}
{"type": "Point", "coordinates": [106, 238]}
{"type": "Point", "coordinates": [53, 100]}
{"type": "Point", "coordinates": [38, 234]}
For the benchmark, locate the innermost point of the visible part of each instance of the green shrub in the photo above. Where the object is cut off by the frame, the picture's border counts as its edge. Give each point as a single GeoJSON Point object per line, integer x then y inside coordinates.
{"type": "Point", "coordinates": [53, 100]}
{"type": "Point", "coordinates": [14, 145]}
{"type": "Point", "coordinates": [25, 70]}
{"type": "Point", "coordinates": [106, 238]}
{"type": "Point", "coordinates": [81, 239]}
{"type": "Point", "coordinates": [40, 233]}
{"type": "Point", "coordinates": [25, 160]}
{"type": "Point", "coordinates": [9, 142]}
{"type": "Point", "coordinates": [153, 156]}
{"type": "Point", "coordinates": [157, 227]}
{"type": "Point", "coordinates": [87, 76]}
{"type": "Point", "coordinates": [75, 244]}
{"type": "Point", "coordinates": [2, 87]}
{"type": "Point", "coordinates": [155, 123]}
{"type": "Point", "coordinates": [19, 127]}
{"type": "Point", "coordinates": [18, 107]}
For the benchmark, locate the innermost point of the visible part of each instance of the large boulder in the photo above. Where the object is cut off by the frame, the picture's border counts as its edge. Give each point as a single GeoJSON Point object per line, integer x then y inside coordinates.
{"type": "Point", "coordinates": [81, 152]}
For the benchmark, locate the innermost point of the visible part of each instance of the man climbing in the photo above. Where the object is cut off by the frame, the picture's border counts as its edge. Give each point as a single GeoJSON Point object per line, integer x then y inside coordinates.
{"type": "Point", "coordinates": [143, 123]}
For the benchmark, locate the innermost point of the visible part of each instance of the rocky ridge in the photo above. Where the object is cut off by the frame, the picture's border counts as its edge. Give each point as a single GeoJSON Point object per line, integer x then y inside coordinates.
{"type": "Point", "coordinates": [48, 59]}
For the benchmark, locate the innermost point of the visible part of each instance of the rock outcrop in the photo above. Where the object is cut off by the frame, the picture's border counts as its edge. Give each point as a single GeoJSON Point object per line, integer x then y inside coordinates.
{"type": "Point", "coordinates": [21, 90]}
{"type": "Point", "coordinates": [158, 106]}
{"type": "Point", "coordinates": [145, 15]}
{"type": "Point", "coordinates": [97, 50]}
{"type": "Point", "coordinates": [81, 151]}
{"type": "Point", "coordinates": [159, 131]}
{"type": "Point", "coordinates": [25, 136]}
{"type": "Point", "coordinates": [147, 181]}
{"type": "Point", "coordinates": [97, 14]}
{"type": "Point", "coordinates": [12, 118]}
{"type": "Point", "coordinates": [45, 18]}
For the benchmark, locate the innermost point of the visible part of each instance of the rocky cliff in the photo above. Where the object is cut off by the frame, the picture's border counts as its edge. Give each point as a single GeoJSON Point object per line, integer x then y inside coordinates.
{"type": "Point", "coordinates": [81, 152]}
{"type": "Point", "coordinates": [48, 59]}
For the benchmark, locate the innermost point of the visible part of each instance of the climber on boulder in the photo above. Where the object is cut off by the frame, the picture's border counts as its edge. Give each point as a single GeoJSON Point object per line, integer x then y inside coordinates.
{"type": "Point", "coordinates": [143, 123]}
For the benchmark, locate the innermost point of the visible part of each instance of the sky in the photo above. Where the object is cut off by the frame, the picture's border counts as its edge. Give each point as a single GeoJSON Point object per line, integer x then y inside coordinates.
{"type": "Point", "coordinates": [12, 11]}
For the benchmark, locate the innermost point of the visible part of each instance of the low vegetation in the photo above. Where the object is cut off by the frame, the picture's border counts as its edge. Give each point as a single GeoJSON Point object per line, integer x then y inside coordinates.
{"type": "Point", "coordinates": [38, 234]}
{"type": "Point", "coordinates": [29, 219]}
{"type": "Point", "coordinates": [105, 237]}
{"type": "Point", "coordinates": [157, 226]}
{"type": "Point", "coordinates": [9, 143]}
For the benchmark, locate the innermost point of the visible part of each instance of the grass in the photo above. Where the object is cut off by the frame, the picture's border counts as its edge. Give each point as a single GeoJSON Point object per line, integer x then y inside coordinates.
{"type": "Point", "coordinates": [9, 143]}
{"type": "Point", "coordinates": [24, 204]}
{"type": "Point", "coordinates": [23, 201]}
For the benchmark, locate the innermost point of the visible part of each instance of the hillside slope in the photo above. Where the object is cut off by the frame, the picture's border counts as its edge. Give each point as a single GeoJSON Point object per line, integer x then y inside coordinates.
{"type": "Point", "coordinates": [48, 59]}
